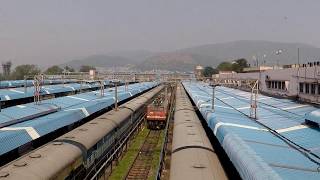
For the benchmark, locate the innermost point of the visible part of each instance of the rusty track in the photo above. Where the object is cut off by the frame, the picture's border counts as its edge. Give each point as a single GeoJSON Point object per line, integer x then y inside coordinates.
{"type": "Point", "coordinates": [143, 161]}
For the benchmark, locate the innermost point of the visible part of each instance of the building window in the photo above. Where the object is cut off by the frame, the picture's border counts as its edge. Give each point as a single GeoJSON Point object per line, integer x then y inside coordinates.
{"type": "Point", "coordinates": [307, 88]}
{"type": "Point", "coordinates": [279, 85]}
{"type": "Point", "coordinates": [268, 84]}
{"type": "Point", "coordinates": [318, 89]}
{"type": "Point", "coordinates": [301, 87]}
{"type": "Point", "coordinates": [313, 89]}
{"type": "Point", "coordinates": [276, 85]}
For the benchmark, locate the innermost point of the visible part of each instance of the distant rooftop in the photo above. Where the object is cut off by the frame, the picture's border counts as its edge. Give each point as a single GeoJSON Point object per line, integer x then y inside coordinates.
{"type": "Point", "coordinates": [257, 69]}
{"type": "Point", "coordinates": [227, 72]}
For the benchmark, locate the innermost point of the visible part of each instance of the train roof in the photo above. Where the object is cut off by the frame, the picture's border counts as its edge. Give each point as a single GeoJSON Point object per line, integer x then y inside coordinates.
{"type": "Point", "coordinates": [192, 155]}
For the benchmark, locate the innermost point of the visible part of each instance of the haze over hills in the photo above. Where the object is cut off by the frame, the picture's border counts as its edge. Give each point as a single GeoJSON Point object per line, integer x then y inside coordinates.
{"type": "Point", "coordinates": [206, 55]}
{"type": "Point", "coordinates": [113, 59]}
{"type": "Point", "coordinates": [135, 56]}
{"type": "Point", "coordinates": [176, 61]}
{"type": "Point", "coordinates": [248, 49]}
{"type": "Point", "coordinates": [99, 61]}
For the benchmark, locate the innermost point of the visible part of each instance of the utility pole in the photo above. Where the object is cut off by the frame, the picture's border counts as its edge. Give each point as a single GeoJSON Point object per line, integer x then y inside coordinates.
{"type": "Point", "coordinates": [298, 57]}
{"type": "Point", "coordinates": [298, 73]}
{"type": "Point", "coordinates": [278, 53]}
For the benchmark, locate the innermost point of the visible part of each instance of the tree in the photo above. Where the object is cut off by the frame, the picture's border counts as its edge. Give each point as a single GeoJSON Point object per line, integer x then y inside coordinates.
{"type": "Point", "coordinates": [225, 66]}
{"type": "Point", "coordinates": [236, 65]}
{"type": "Point", "coordinates": [242, 62]}
{"type": "Point", "coordinates": [54, 70]}
{"type": "Point", "coordinates": [86, 68]}
{"type": "Point", "coordinates": [209, 71]}
{"type": "Point", "coordinates": [6, 69]}
{"type": "Point", "coordinates": [239, 64]}
{"type": "Point", "coordinates": [69, 69]}
{"type": "Point", "coordinates": [25, 70]}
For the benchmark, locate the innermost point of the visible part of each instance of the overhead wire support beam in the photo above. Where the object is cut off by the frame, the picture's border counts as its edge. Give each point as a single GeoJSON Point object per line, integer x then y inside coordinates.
{"type": "Point", "coordinates": [116, 96]}
{"type": "Point", "coordinates": [254, 100]}
{"type": "Point", "coordinates": [101, 88]}
{"type": "Point", "coordinates": [38, 80]}
{"type": "Point", "coordinates": [251, 84]}
{"type": "Point", "coordinates": [213, 95]}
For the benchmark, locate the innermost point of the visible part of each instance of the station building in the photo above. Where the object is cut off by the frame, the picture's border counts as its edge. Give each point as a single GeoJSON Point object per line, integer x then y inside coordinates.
{"type": "Point", "coordinates": [294, 81]}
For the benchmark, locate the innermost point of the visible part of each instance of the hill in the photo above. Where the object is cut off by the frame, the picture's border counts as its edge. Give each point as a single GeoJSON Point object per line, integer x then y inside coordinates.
{"type": "Point", "coordinates": [99, 61]}
{"type": "Point", "coordinates": [248, 49]}
{"type": "Point", "coordinates": [175, 61]}
{"type": "Point", "coordinates": [206, 55]}
{"type": "Point", "coordinates": [136, 56]}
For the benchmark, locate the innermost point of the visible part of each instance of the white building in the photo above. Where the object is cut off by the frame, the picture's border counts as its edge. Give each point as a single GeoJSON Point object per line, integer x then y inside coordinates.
{"type": "Point", "coordinates": [198, 71]}
{"type": "Point", "coordinates": [300, 82]}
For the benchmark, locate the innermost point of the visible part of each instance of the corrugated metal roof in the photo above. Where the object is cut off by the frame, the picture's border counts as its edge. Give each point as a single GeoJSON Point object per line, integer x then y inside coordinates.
{"type": "Point", "coordinates": [18, 93]}
{"type": "Point", "coordinates": [20, 83]}
{"type": "Point", "coordinates": [278, 145]}
{"type": "Point", "coordinates": [72, 109]}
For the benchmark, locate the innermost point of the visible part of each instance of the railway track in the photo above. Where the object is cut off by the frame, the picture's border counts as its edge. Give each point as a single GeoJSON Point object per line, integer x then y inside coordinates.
{"type": "Point", "coordinates": [143, 162]}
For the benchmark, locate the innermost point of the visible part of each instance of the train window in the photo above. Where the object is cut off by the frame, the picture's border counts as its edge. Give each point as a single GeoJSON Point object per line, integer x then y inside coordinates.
{"type": "Point", "coordinates": [307, 88]}
{"type": "Point", "coordinates": [106, 137]}
{"type": "Point", "coordinates": [301, 87]}
{"type": "Point", "coordinates": [90, 152]}
{"type": "Point", "coordinates": [100, 143]}
{"type": "Point", "coordinates": [313, 89]}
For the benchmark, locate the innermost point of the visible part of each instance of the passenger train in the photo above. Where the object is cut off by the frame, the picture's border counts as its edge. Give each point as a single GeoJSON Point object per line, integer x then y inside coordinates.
{"type": "Point", "coordinates": [77, 154]}
{"type": "Point", "coordinates": [192, 155]}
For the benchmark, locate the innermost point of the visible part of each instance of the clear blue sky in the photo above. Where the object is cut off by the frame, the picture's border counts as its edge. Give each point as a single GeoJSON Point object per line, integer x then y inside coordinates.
{"type": "Point", "coordinates": [47, 32]}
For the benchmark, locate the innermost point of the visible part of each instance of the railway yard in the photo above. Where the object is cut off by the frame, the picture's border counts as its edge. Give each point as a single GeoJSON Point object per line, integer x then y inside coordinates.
{"type": "Point", "coordinates": [159, 90]}
{"type": "Point", "coordinates": [154, 130]}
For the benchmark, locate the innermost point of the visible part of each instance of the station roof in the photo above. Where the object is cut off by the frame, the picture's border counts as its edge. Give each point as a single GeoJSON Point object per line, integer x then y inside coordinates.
{"type": "Point", "coordinates": [19, 93]}
{"type": "Point", "coordinates": [20, 83]}
{"type": "Point", "coordinates": [69, 109]}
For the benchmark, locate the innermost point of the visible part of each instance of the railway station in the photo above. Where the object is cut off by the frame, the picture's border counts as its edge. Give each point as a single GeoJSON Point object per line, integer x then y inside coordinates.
{"type": "Point", "coordinates": [173, 127]}
{"type": "Point", "coordinates": [159, 90]}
